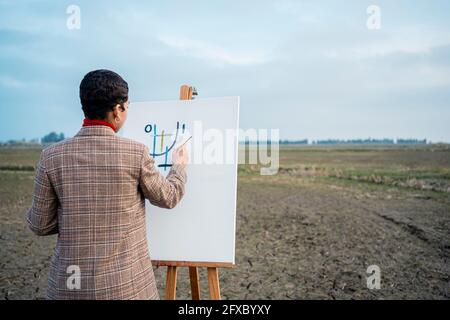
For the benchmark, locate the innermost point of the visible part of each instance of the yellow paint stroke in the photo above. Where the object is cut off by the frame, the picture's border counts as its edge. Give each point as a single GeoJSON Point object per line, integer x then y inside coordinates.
{"type": "Point", "coordinates": [162, 140]}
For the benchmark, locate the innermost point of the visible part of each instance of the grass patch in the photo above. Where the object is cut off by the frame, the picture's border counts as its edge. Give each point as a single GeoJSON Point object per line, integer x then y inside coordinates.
{"type": "Point", "coordinates": [17, 168]}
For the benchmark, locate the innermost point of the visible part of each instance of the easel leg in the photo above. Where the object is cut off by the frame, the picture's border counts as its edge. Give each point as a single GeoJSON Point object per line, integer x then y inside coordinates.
{"type": "Point", "coordinates": [171, 283]}
{"type": "Point", "coordinates": [213, 281]}
{"type": "Point", "coordinates": [195, 283]}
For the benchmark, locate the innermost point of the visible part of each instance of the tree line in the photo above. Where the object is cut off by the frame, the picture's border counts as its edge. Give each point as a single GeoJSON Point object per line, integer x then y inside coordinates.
{"type": "Point", "coordinates": [50, 138]}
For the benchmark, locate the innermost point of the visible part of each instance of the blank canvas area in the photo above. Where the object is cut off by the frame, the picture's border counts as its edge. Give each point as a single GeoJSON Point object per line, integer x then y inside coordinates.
{"type": "Point", "coordinates": [201, 228]}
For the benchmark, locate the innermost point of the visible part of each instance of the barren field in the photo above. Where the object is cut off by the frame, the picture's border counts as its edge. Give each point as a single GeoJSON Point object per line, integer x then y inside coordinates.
{"type": "Point", "coordinates": [309, 232]}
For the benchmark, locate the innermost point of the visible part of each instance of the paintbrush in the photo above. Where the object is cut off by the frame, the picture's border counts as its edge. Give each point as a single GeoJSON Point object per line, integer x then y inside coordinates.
{"type": "Point", "coordinates": [184, 142]}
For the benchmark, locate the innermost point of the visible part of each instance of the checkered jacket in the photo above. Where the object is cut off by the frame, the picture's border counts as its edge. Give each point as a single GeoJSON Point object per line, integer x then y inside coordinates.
{"type": "Point", "coordinates": [91, 191]}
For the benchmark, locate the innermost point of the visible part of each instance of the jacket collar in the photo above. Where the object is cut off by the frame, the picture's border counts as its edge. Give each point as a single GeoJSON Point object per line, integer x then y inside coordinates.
{"type": "Point", "coordinates": [95, 131]}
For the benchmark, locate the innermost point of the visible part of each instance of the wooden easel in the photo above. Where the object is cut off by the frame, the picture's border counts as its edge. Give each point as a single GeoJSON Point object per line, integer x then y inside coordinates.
{"type": "Point", "coordinates": [186, 93]}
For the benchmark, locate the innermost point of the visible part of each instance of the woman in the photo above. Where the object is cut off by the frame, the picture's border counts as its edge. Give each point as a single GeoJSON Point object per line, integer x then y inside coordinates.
{"type": "Point", "coordinates": [91, 191]}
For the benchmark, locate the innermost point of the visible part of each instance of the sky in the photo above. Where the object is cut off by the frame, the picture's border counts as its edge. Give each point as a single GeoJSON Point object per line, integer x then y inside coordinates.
{"type": "Point", "coordinates": [312, 69]}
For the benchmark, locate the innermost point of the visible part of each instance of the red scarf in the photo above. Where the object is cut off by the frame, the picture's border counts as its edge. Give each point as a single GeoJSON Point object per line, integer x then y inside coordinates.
{"type": "Point", "coordinates": [89, 122]}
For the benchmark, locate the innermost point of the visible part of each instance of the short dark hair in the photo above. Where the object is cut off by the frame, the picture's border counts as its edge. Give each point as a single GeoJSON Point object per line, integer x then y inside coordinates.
{"type": "Point", "coordinates": [100, 91]}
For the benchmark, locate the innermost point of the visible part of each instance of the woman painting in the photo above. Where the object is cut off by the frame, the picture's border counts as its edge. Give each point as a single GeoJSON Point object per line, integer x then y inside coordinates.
{"type": "Point", "coordinates": [91, 191]}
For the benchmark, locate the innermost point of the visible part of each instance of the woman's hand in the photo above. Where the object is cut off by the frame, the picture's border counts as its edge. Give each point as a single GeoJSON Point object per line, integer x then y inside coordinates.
{"type": "Point", "coordinates": [180, 156]}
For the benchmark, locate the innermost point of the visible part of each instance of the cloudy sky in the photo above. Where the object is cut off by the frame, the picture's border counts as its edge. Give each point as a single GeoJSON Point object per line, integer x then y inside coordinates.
{"type": "Point", "coordinates": [310, 68]}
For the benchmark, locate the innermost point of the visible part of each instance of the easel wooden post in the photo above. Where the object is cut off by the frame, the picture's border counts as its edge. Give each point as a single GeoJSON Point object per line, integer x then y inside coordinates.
{"type": "Point", "coordinates": [186, 93]}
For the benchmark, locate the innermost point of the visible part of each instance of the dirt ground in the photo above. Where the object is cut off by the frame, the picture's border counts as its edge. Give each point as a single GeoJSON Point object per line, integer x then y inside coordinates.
{"type": "Point", "coordinates": [298, 237]}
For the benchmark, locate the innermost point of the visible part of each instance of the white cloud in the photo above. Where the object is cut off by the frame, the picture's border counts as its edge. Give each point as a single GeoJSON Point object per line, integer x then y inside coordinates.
{"type": "Point", "coordinates": [203, 50]}
{"type": "Point", "coordinates": [409, 40]}
{"type": "Point", "coordinates": [10, 82]}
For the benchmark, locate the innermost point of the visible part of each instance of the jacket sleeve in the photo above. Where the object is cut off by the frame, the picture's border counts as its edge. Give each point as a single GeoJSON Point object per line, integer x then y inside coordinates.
{"type": "Point", "coordinates": [42, 217]}
{"type": "Point", "coordinates": [163, 192]}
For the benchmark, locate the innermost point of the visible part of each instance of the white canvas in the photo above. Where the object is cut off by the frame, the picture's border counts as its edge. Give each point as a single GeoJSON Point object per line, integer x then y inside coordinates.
{"type": "Point", "coordinates": [201, 228]}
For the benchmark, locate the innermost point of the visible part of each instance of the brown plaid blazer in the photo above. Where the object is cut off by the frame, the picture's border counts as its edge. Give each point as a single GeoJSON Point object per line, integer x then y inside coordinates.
{"type": "Point", "coordinates": [91, 191]}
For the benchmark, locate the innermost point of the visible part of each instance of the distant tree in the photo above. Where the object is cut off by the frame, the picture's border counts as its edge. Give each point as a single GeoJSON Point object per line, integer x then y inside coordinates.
{"type": "Point", "coordinates": [411, 141]}
{"type": "Point", "coordinates": [52, 137]}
